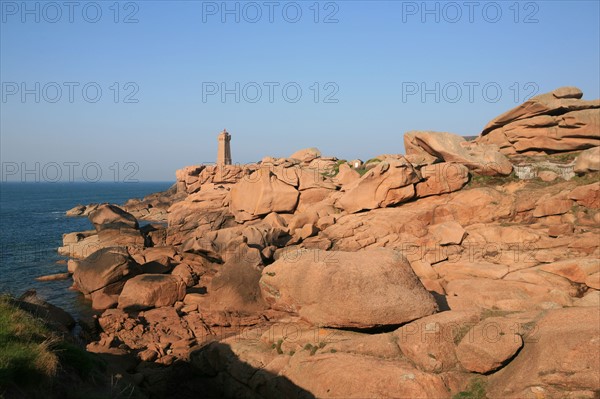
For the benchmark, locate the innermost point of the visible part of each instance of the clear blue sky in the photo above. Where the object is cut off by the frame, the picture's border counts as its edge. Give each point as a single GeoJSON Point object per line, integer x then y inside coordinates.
{"type": "Point", "coordinates": [374, 58]}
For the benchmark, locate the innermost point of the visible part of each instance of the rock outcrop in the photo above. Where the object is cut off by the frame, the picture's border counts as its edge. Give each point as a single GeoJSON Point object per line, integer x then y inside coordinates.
{"type": "Point", "coordinates": [260, 194]}
{"type": "Point", "coordinates": [481, 158]}
{"type": "Point", "coordinates": [388, 183]}
{"type": "Point", "coordinates": [558, 121]}
{"type": "Point", "coordinates": [570, 368]}
{"type": "Point", "coordinates": [102, 275]}
{"type": "Point", "coordinates": [151, 290]}
{"type": "Point", "coordinates": [588, 161]}
{"type": "Point", "coordinates": [298, 277]}
{"type": "Point", "coordinates": [340, 289]}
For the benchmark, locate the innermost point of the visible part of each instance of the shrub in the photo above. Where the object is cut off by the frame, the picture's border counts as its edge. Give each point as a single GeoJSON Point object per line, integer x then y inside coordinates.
{"type": "Point", "coordinates": [475, 390]}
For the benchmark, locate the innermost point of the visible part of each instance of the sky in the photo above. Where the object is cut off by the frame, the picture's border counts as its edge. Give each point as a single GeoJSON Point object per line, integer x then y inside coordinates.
{"type": "Point", "coordinates": [133, 90]}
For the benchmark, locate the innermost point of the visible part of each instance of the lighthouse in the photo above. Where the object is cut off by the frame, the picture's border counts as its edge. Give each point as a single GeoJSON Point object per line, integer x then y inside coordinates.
{"type": "Point", "coordinates": [224, 149]}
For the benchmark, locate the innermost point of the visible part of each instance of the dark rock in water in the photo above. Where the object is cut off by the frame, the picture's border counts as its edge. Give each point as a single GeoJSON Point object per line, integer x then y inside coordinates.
{"type": "Point", "coordinates": [53, 277]}
{"type": "Point", "coordinates": [81, 210]}
{"type": "Point", "coordinates": [50, 314]}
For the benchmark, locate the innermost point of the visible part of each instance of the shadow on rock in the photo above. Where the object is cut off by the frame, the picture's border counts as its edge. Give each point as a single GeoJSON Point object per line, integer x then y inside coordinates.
{"type": "Point", "coordinates": [233, 378]}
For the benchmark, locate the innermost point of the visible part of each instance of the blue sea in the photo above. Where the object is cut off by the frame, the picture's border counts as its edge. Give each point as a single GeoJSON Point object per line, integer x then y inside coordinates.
{"type": "Point", "coordinates": [32, 222]}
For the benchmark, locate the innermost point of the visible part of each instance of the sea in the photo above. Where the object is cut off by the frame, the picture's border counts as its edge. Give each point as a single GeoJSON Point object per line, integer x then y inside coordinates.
{"type": "Point", "coordinates": [32, 222]}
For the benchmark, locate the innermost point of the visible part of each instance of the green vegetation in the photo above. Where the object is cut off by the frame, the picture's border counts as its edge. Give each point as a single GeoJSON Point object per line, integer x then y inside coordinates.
{"type": "Point", "coordinates": [487, 313]}
{"type": "Point", "coordinates": [559, 158]}
{"type": "Point", "coordinates": [37, 362]}
{"type": "Point", "coordinates": [586, 179]}
{"type": "Point", "coordinates": [365, 167]}
{"type": "Point", "coordinates": [26, 348]}
{"type": "Point", "coordinates": [568, 157]}
{"type": "Point", "coordinates": [312, 348]}
{"type": "Point", "coordinates": [278, 346]}
{"type": "Point", "coordinates": [335, 169]}
{"type": "Point", "coordinates": [475, 390]}
{"type": "Point", "coordinates": [486, 181]}
{"type": "Point", "coordinates": [362, 170]}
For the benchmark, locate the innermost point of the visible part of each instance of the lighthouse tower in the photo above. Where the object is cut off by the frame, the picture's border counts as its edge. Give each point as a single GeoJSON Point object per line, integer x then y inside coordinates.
{"type": "Point", "coordinates": [224, 150]}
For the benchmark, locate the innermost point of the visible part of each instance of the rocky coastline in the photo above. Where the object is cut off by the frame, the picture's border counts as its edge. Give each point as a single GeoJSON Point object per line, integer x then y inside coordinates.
{"type": "Point", "coordinates": [426, 275]}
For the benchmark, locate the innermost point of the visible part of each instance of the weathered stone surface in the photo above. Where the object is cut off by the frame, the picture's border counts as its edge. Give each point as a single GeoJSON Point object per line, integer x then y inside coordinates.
{"type": "Point", "coordinates": [430, 341]}
{"type": "Point", "coordinates": [116, 227]}
{"type": "Point", "coordinates": [53, 315]}
{"type": "Point", "coordinates": [186, 273]}
{"type": "Point", "coordinates": [448, 233]}
{"type": "Point", "coordinates": [80, 244]}
{"type": "Point", "coordinates": [572, 131]}
{"type": "Point", "coordinates": [341, 289]}
{"type": "Point", "coordinates": [551, 122]}
{"type": "Point", "coordinates": [306, 155]}
{"type": "Point", "coordinates": [329, 376]}
{"type": "Point", "coordinates": [236, 287]}
{"type": "Point", "coordinates": [559, 230]}
{"type": "Point", "coordinates": [561, 99]}
{"type": "Point", "coordinates": [192, 179]}
{"type": "Point", "coordinates": [480, 158]}
{"type": "Point", "coordinates": [588, 195]}
{"type": "Point", "coordinates": [593, 281]}
{"type": "Point", "coordinates": [197, 214]}
{"type": "Point", "coordinates": [151, 290]}
{"type": "Point", "coordinates": [462, 268]}
{"type": "Point", "coordinates": [81, 210]}
{"type": "Point", "coordinates": [262, 193]}
{"type": "Point", "coordinates": [560, 358]}
{"type": "Point", "coordinates": [388, 183]}
{"type": "Point", "coordinates": [489, 345]}
{"type": "Point", "coordinates": [576, 270]}
{"type": "Point", "coordinates": [552, 206]}
{"type": "Point", "coordinates": [441, 178]}
{"type": "Point", "coordinates": [107, 297]}
{"type": "Point", "coordinates": [104, 267]}
{"type": "Point", "coordinates": [503, 295]}
{"type": "Point", "coordinates": [312, 197]}
{"type": "Point", "coordinates": [588, 161]}
{"type": "Point", "coordinates": [346, 175]}
{"type": "Point", "coordinates": [547, 175]}
{"type": "Point", "coordinates": [111, 216]}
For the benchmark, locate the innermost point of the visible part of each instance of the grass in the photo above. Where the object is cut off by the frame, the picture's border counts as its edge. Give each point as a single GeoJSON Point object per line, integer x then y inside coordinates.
{"type": "Point", "coordinates": [586, 179]}
{"type": "Point", "coordinates": [487, 181]}
{"type": "Point", "coordinates": [312, 348]}
{"type": "Point", "coordinates": [26, 348]}
{"type": "Point", "coordinates": [278, 346]}
{"type": "Point", "coordinates": [487, 313]}
{"type": "Point", "coordinates": [559, 157]}
{"type": "Point", "coordinates": [564, 157]}
{"type": "Point", "coordinates": [34, 360]}
{"type": "Point", "coordinates": [362, 170]}
{"type": "Point", "coordinates": [475, 390]}
{"type": "Point", "coordinates": [335, 169]}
